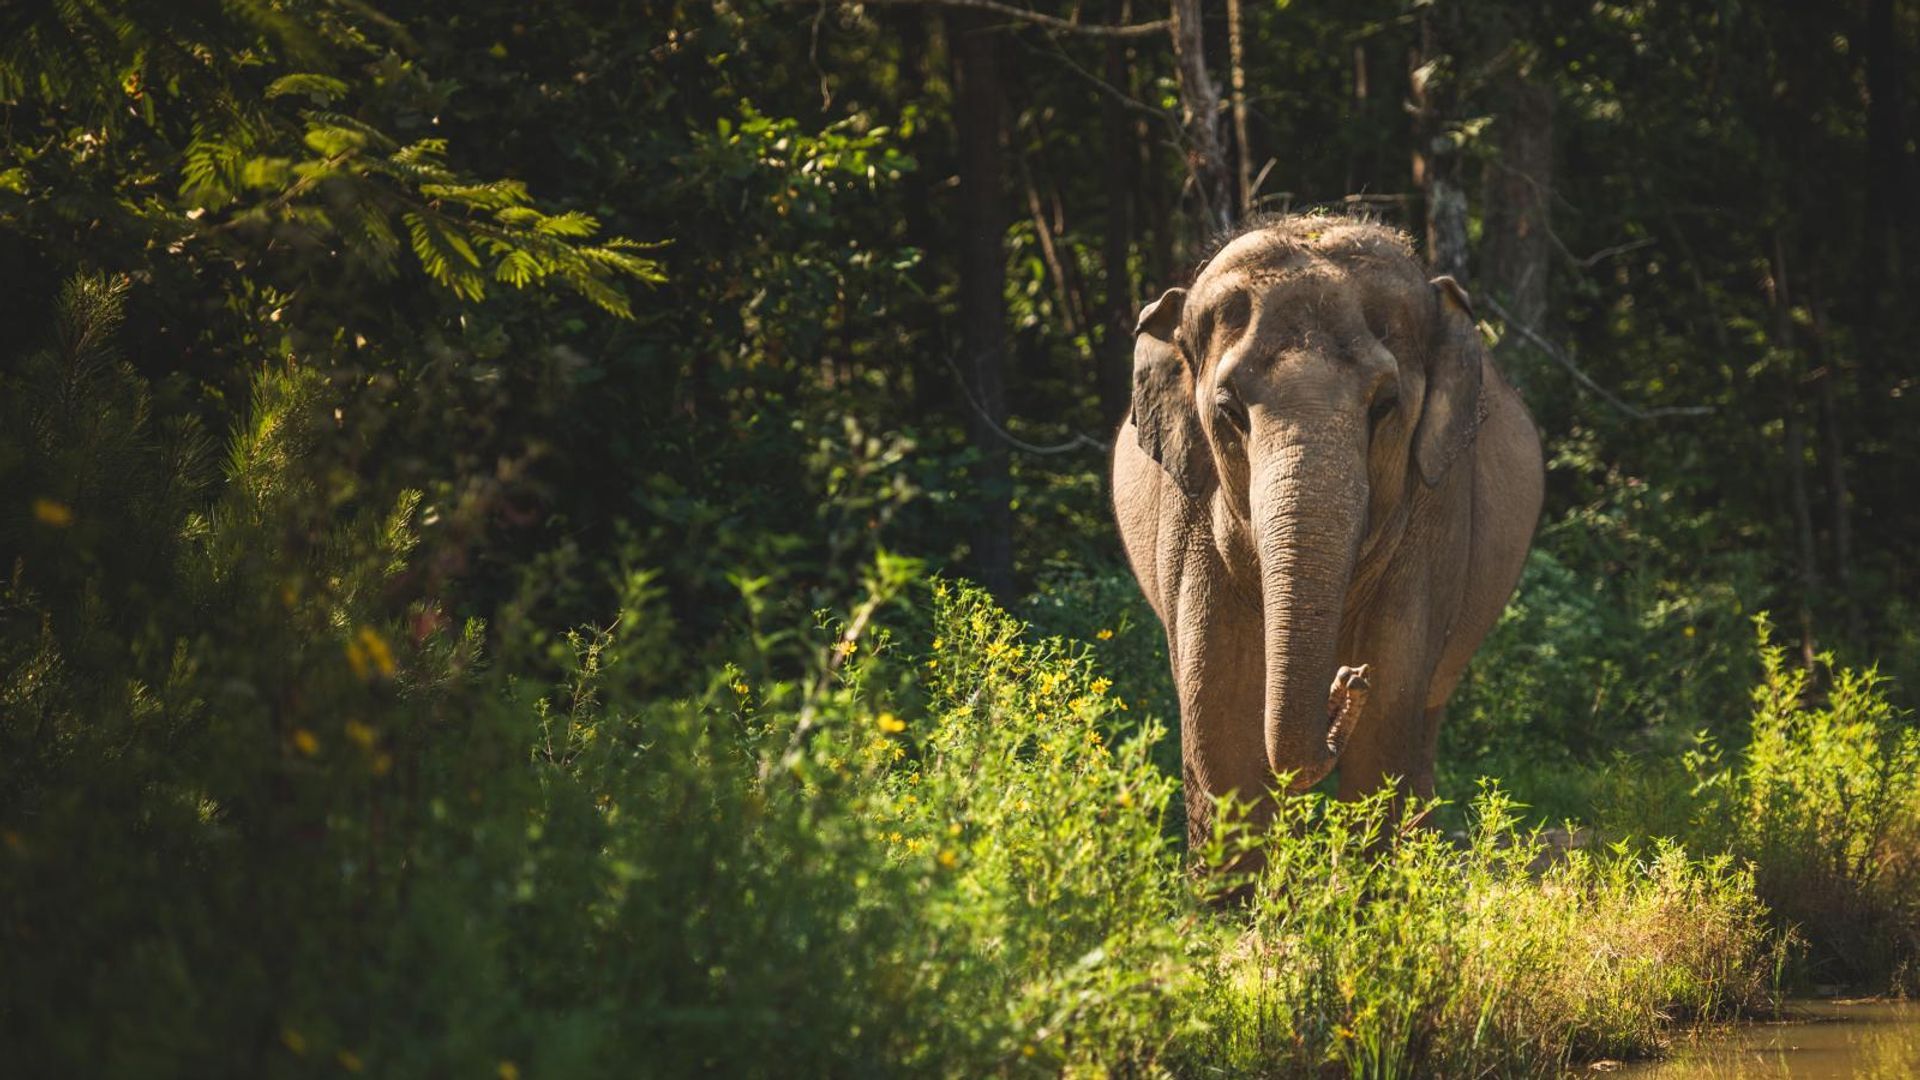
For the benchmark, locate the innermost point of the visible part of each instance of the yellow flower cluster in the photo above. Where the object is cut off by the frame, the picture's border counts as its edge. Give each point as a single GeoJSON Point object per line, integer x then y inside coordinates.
{"type": "Point", "coordinates": [56, 515]}
{"type": "Point", "coordinates": [368, 654]}
{"type": "Point", "coordinates": [364, 736]}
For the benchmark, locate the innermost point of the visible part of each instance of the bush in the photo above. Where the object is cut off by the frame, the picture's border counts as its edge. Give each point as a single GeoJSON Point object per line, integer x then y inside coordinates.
{"type": "Point", "coordinates": [1824, 799]}
{"type": "Point", "coordinates": [1387, 951]}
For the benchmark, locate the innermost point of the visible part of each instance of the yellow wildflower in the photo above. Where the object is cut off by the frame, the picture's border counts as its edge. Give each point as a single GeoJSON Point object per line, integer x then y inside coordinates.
{"type": "Point", "coordinates": [350, 1061]}
{"type": "Point", "coordinates": [378, 654]}
{"type": "Point", "coordinates": [891, 724]}
{"type": "Point", "coordinates": [1105, 635]}
{"type": "Point", "coordinates": [1028, 1050]}
{"type": "Point", "coordinates": [1102, 685]}
{"type": "Point", "coordinates": [367, 653]}
{"type": "Point", "coordinates": [846, 648]}
{"type": "Point", "coordinates": [948, 858]}
{"type": "Point", "coordinates": [305, 742]}
{"type": "Point", "coordinates": [1688, 631]}
{"type": "Point", "coordinates": [57, 515]}
{"type": "Point", "coordinates": [361, 735]}
{"type": "Point", "coordinates": [740, 688]}
{"type": "Point", "coordinates": [953, 829]}
{"type": "Point", "coordinates": [1125, 798]}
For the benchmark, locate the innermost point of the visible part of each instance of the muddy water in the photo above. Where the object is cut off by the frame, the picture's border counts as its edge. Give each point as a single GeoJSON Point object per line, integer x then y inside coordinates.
{"type": "Point", "coordinates": [1817, 1040]}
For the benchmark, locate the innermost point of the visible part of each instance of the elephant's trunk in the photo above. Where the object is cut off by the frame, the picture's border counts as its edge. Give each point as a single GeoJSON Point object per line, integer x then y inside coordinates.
{"type": "Point", "coordinates": [1308, 500]}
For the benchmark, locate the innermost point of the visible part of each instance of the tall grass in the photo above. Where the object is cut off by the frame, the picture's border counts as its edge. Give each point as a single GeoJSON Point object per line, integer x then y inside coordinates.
{"type": "Point", "coordinates": [958, 863]}
{"type": "Point", "coordinates": [1417, 957]}
{"type": "Point", "coordinates": [1823, 800]}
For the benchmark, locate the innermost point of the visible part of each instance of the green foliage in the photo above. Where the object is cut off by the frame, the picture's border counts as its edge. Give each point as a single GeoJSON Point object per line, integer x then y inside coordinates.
{"type": "Point", "coordinates": [330, 175]}
{"type": "Point", "coordinates": [1388, 951]}
{"type": "Point", "coordinates": [421, 651]}
{"type": "Point", "coordinates": [344, 844]}
{"type": "Point", "coordinates": [1614, 643]}
{"type": "Point", "coordinates": [1824, 800]}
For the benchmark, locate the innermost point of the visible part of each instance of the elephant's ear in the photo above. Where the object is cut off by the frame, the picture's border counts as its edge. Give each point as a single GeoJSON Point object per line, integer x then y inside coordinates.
{"type": "Point", "coordinates": [1163, 409]}
{"type": "Point", "coordinates": [1450, 413]}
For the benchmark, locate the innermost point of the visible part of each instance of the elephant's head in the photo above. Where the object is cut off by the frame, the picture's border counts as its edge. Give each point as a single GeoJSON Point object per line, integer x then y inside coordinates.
{"type": "Point", "coordinates": [1308, 387]}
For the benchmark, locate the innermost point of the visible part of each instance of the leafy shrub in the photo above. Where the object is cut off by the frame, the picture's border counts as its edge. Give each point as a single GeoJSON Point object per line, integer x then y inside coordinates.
{"type": "Point", "coordinates": [1386, 951]}
{"type": "Point", "coordinates": [1605, 648]}
{"type": "Point", "coordinates": [1825, 801]}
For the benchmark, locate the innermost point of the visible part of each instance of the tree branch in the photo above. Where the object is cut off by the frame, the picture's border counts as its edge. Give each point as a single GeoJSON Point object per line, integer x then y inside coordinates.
{"type": "Point", "coordinates": [1565, 361]}
{"type": "Point", "coordinates": [1050, 22]}
{"type": "Point", "coordinates": [1080, 439]}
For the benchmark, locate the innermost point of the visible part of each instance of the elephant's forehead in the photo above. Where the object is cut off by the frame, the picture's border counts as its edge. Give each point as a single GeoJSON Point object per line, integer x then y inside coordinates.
{"type": "Point", "coordinates": [1298, 280]}
{"type": "Point", "coordinates": [1256, 251]}
{"type": "Point", "coordinates": [1333, 283]}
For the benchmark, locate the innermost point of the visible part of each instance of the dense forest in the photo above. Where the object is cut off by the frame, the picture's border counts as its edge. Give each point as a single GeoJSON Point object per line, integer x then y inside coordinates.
{"type": "Point", "coordinates": [575, 538]}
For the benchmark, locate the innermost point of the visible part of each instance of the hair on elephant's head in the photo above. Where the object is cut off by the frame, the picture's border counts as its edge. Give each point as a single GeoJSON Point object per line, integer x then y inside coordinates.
{"type": "Point", "coordinates": [1311, 381]}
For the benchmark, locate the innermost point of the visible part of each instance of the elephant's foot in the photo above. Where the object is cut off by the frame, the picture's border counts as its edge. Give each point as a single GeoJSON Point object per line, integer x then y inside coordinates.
{"type": "Point", "coordinates": [1345, 698]}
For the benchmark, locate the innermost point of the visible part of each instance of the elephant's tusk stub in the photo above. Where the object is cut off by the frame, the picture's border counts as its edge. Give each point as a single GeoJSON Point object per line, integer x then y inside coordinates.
{"type": "Point", "coordinates": [1345, 698]}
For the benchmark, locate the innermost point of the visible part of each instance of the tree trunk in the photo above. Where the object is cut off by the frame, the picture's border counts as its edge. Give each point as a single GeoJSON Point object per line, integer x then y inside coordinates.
{"type": "Point", "coordinates": [1242, 147]}
{"type": "Point", "coordinates": [1796, 450]}
{"type": "Point", "coordinates": [1200, 118]}
{"type": "Point", "coordinates": [983, 267]}
{"type": "Point", "coordinates": [1436, 156]}
{"type": "Point", "coordinates": [1115, 356]}
{"type": "Point", "coordinates": [1049, 254]}
{"type": "Point", "coordinates": [1888, 194]}
{"type": "Point", "coordinates": [923, 45]}
{"type": "Point", "coordinates": [1833, 455]}
{"type": "Point", "coordinates": [1515, 247]}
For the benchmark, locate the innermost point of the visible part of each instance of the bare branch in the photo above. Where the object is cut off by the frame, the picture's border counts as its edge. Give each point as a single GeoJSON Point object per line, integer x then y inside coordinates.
{"type": "Point", "coordinates": [1054, 54]}
{"type": "Point", "coordinates": [1598, 257]}
{"type": "Point", "coordinates": [1080, 439]}
{"type": "Point", "coordinates": [1559, 356]}
{"type": "Point", "coordinates": [1050, 22]}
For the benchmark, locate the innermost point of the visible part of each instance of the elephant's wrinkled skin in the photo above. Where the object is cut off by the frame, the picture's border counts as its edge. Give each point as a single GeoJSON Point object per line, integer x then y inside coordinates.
{"type": "Point", "coordinates": [1322, 470]}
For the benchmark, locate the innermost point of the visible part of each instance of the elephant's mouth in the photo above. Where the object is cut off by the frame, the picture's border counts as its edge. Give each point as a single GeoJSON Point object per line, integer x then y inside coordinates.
{"type": "Point", "coordinates": [1345, 698]}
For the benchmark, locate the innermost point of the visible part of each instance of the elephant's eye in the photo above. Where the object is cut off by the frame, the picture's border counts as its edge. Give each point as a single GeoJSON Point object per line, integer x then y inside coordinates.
{"type": "Point", "coordinates": [1230, 408]}
{"type": "Point", "coordinates": [1382, 408]}
{"type": "Point", "coordinates": [1235, 312]}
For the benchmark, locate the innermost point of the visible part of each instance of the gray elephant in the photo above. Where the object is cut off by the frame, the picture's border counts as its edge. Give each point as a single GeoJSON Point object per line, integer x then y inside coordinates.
{"type": "Point", "coordinates": [1326, 491]}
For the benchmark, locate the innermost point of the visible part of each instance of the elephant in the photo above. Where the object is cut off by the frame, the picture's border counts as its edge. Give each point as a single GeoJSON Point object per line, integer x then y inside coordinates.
{"type": "Point", "coordinates": [1327, 491]}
